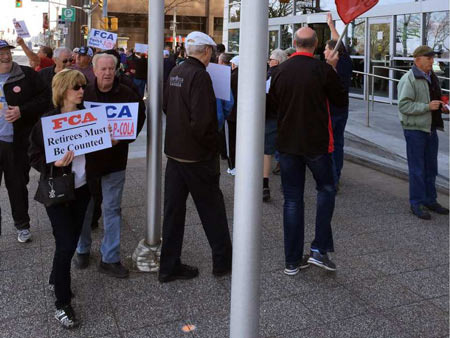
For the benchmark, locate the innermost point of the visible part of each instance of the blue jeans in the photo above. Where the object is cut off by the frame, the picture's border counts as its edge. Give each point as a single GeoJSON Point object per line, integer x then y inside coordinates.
{"type": "Point", "coordinates": [338, 123]}
{"type": "Point", "coordinates": [293, 169]}
{"type": "Point", "coordinates": [141, 85]}
{"type": "Point", "coordinates": [112, 189]}
{"type": "Point", "coordinates": [422, 152]}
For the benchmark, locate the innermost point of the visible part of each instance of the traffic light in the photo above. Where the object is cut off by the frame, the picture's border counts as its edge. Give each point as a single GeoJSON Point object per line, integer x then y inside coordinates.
{"type": "Point", "coordinates": [114, 23]}
{"type": "Point", "coordinates": [105, 23]}
{"type": "Point", "coordinates": [100, 3]}
{"type": "Point", "coordinates": [84, 30]}
{"type": "Point", "coordinates": [18, 3]}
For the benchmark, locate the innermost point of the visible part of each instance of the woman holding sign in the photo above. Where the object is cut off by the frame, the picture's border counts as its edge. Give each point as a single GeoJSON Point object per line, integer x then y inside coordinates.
{"type": "Point", "coordinates": [66, 218]}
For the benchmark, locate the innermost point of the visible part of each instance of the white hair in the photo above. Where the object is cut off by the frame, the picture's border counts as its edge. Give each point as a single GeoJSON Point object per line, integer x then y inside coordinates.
{"type": "Point", "coordinates": [196, 50]}
{"type": "Point", "coordinates": [103, 55]}
{"type": "Point", "coordinates": [279, 55]}
{"type": "Point", "coordinates": [58, 51]}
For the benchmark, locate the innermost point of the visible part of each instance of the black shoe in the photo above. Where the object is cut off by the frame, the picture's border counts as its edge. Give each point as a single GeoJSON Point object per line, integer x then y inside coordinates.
{"type": "Point", "coordinates": [81, 261]}
{"type": "Point", "coordinates": [437, 208]}
{"type": "Point", "coordinates": [293, 269]}
{"type": "Point", "coordinates": [222, 271]}
{"type": "Point", "coordinates": [277, 169]}
{"type": "Point", "coordinates": [322, 261]}
{"type": "Point", "coordinates": [66, 317]}
{"type": "Point", "coordinates": [182, 271]}
{"type": "Point", "coordinates": [113, 269]}
{"type": "Point", "coordinates": [266, 195]}
{"type": "Point", "coordinates": [420, 211]}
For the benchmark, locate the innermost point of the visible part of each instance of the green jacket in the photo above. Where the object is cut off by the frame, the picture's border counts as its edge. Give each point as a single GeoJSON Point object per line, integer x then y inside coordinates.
{"type": "Point", "coordinates": [413, 102]}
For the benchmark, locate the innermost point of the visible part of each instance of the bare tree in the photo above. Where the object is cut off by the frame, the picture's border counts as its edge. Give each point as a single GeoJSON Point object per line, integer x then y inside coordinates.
{"type": "Point", "coordinates": [169, 5]}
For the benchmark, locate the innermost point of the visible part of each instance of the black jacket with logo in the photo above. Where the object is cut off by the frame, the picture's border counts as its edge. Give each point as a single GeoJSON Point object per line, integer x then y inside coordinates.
{"type": "Point", "coordinates": [24, 88]}
{"type": "Point", "coordinates": [190, 106]}
{"type": "Point", "coordinates": [113, 159]}
{"type": "Point", "coordinates": [301, 89]}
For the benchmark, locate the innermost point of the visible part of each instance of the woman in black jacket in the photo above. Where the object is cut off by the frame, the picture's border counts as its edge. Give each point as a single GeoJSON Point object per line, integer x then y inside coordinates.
{"type": "Point", "coordinates": [67, 218]}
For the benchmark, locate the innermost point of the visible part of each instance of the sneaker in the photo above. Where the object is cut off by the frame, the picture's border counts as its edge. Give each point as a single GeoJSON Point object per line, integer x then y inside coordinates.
{"type": "Point", "coordinates": [266, 195]}
{"type": "Point", "coordinates": [322, 261]}
{"type": "Point", "coordinates": [232, 172]}
{"type": "Point", "coordinates": [113, 269]}
{"type": "Point", "coordinates": [182, 271]}
{"type": "Point", "coordinates": [293, 269]}
{"type": "Point", "coordinates": [277, 169]}
{"type": "Point", "coordinates": [24, 236]}
{"type": "Point", "coordinates": [420, 211]}
{"type": "Point", "coordinates": [81, 261]}
{"type": "Point", "coordinates": [66, 317]}
{"type": "Point", "coordinates": [437, 208]}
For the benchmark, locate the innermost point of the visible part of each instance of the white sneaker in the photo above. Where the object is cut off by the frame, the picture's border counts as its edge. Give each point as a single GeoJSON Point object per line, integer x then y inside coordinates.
{"type": "Point", "coordinates": [66, 317]}
{"type": "Point", "coordinates": [24, 236]}
{"type": "Point", "coordinates": [232, 172]}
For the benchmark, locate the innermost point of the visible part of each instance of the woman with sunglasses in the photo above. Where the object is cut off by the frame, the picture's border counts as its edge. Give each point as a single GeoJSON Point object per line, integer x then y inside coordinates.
{"type": "Point", "coordinates": [66, 219]}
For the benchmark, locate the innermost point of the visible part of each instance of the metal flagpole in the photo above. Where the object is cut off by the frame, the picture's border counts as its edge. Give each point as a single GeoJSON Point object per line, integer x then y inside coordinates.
{"type": "Point", "coordinates": [249, 161]}
{"type": "Point", "coordinates": [146, 255]}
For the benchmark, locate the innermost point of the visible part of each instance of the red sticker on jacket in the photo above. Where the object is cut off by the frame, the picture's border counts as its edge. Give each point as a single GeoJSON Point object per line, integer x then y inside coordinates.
{"type": "Point", "coordinates": [17, 89]}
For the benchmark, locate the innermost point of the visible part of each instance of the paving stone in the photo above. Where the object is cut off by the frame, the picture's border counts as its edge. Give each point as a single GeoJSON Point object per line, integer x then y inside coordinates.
{"type": "Point", "coordinates": [425, 283]}
{"type": "Point", "coordinates": [23, 303]}
{"type": "Point", "coordinates": [441, 303]}
{"type": "Point", "coordinates": [35, 326]}
{"type": "Point", "coordinates": [20, 259]}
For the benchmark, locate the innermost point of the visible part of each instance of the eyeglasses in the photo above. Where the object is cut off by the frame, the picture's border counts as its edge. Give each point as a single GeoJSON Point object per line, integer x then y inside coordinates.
{"type": "Point", "coordinates": [77, 87]}
{"type": "Point", "coordinates": [67, 60]}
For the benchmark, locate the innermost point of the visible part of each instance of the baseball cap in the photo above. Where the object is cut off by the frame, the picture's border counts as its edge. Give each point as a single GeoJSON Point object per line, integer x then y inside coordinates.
{"type": "Point", "coordinates": [166, 52]}
{"type": "Point", "coordinates": [86, 51]}
{"type": "Point", "coordinates": [235, 60]}
{"type": "Point", "coordinates": [4, 44]}
{"type": "Point", "coordinates": [423, 51]}
{"type": "Point", "coordinates": [199, 39]}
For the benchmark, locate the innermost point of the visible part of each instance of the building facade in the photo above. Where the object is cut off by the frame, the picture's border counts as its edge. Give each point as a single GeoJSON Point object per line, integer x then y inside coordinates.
{"type": "Point", "coordinates": [385, 36]}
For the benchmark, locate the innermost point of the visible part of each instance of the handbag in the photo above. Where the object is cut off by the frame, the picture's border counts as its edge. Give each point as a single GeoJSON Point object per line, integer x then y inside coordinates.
{"type": "Point", "coordinates": [56, 190]}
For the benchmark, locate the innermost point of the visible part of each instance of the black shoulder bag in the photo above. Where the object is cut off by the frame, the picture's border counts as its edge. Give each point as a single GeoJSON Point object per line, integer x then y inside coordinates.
{"type": "Point", "coordinates": [56, 190]}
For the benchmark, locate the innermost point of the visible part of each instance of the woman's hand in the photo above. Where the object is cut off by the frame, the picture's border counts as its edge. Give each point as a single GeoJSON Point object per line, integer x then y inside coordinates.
{"type": "Point", "coordinates": [66, 160]}
{"type": "Point", "coordinates": [113, 140]}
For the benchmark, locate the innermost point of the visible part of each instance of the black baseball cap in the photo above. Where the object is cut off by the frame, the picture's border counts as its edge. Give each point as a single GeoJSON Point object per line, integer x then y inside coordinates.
{"type": "Point", "coordinates": [4, 44]}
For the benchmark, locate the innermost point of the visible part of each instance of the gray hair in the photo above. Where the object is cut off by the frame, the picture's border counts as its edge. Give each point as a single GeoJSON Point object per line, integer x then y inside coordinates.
{"type": "Point", "coordinates": [226, 58]}
{"type": "Point", "coordinates": [196, 50]}
{"type": "Point", "coordinates": [279, 55]}
{"type": "Point", "coordinates": [58, 51]}
{"type": "Point", "coordinates": [103, 55]}
{"type": "Point", "coordinates": [307, 43]}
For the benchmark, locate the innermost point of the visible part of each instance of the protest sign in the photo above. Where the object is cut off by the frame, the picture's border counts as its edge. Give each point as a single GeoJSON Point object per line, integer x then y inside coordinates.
{"type": "Point", "coordinates": [141, 48]}
{"type": "Point", "coordinates": [268, 85]}
{"type": "Point", "coordinates": [101, 39]}
{"type": "Point", "coordinates": [82, 131]}
{"type": "Point", "coordinates": [221, 80]}
{"type": "Point", "coordinates": [121, 116]}
{"type": "Point", "coordinates": [21, 29]}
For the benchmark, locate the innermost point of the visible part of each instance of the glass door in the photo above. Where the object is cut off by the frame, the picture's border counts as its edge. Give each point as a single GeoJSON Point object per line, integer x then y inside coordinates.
{"type": "Point", "coordinates": [274, 38]}
{"type": "Point", "coordinates": [379, 55]}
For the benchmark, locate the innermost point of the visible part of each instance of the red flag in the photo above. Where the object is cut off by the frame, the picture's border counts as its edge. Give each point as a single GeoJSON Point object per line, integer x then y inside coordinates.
{"type": "Point", "coordinates": [349, 10]}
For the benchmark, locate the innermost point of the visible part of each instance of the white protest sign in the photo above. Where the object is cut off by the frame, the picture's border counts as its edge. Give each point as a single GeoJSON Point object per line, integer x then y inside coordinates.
{"type": "Point", "coordinates": [83, 131]}
{"type": "Point", "coordinates": [21, 29]}
{"type": "Point", "coordinates": [101, 39]}
{"type": "Point", "coordinates": [268, 85]}
{"type": "Point", "coordinates": [221, 80]}
{"type": "Point", "coordinates": [141, 48]}
{"type": "Point", "coordinates": [121, 116]}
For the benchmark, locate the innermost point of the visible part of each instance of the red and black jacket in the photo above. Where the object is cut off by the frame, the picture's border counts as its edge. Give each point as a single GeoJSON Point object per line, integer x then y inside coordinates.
{"type": "Point", "coordinates": [301, 90]}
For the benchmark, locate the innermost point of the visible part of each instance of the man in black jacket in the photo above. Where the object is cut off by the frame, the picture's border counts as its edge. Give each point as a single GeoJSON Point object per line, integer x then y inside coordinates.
{"type": "Point", "coordinates": [23, 98]}
{"type": "Point", "coordinates": [109, 165]}
{"type": "Point", "coordinates": [192, 148]}
{"type": "Point", "coordinates": [301, 90]}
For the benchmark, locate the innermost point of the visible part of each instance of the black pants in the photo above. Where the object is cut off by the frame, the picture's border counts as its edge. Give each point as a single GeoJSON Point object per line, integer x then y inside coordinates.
{"type": "Point", "coordinates": [223, 144]}
{"type": "Point", "coordinates": [232, 143]}
{"type": "Point", "coordinates": [201, 180]}
{"type": "Point", "coordinates": [67, 220]}
{"type": "Point", "coordinates": [14, 166]}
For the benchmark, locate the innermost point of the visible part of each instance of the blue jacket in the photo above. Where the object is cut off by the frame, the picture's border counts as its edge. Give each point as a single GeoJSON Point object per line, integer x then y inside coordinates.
{"type": "Point", "coordinates": [224, 109]}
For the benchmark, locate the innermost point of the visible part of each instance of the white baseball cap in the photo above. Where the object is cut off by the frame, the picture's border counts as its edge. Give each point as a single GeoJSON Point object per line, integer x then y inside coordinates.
{"type": "Point", "coordinates": [235, 60]}
{"type": "Point", "coordinates": [166, 52]}
{"type": "Point", "coordinates": [199, 39]}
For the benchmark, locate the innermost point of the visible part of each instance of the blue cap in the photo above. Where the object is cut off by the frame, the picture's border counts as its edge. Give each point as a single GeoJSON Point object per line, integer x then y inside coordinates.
{"type": "Point", "coordinates": [86, 51]}
{"type": "Point", "coordinates": [4, 44]}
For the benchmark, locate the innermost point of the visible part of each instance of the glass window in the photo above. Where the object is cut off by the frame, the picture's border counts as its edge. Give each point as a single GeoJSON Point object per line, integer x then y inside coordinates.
{"type": "Point", "coordinates": [218, 24]}
{"type": "Point", "coordinates": [233, 40]}
{"type": "Point", "coordinates": [437, 33]}
{"type": "Point", "coordinates": [234, 11]}
{"type": "Point", "coordinates": [286, 36]}
{"type": "Point", "coordinates": [356, 37]}
{"type": "Point", "coordinates": [313, 6]}
{"type": "Point", "coordinates": [407, 34]}
{"type": "Point", "coordinates": [280, 8]}
{"type": "Point", "coordinates": [273, 40]}
{"type": "Point", "coordinates": [357, 82]}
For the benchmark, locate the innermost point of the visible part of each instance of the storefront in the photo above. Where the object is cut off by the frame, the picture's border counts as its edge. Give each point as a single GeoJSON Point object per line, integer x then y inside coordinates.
{"type": "Point", "coordinates": [386, 36]}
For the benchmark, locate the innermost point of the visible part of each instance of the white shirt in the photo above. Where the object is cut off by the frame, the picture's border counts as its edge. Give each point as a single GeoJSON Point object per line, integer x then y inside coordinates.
{"type": "Point", "coordinates": [79, 169]}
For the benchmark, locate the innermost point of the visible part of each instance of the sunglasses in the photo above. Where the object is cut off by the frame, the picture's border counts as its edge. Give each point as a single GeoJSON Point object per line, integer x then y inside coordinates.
{"type": "Point", "coordinates": [67, 60]}
{"type": "Point", "coordinates": [77, 87]}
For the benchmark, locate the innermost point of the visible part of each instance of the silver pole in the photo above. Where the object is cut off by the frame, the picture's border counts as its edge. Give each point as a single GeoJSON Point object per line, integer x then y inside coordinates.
{"type": "Point", "coordinates": [146, 255]}
{"type": "Point", "coordinates": [244, 321]}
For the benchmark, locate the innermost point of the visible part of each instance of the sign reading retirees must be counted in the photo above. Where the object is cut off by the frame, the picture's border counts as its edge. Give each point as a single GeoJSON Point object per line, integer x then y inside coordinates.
{"type": "Point", "coordinates": [82, 131]}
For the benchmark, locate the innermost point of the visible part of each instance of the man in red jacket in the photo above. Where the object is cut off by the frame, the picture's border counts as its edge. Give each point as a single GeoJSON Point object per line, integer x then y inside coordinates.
{"type": "Point", "coordinates": [301, 90]}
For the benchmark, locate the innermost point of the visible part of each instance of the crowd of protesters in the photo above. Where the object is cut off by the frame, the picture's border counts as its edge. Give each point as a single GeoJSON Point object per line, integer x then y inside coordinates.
{"type": "Point", "coordinates": [306, 112]}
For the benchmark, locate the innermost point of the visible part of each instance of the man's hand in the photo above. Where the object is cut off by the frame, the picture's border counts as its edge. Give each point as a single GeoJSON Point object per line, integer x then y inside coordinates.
{"type": "Point", "coordinates": [20, 41]}
{"type": "Point", "coordinates": [330, 20]}
{"type": "Point", "coordinates": [113, 140]}
{"type": "Point", "coordinates": [66, 160]}
{"type": "Point", "coordinates": [333, 59]}
{"type": "Point", "coordinates": [12, 114]}
{"type": "Point", "coordinates": [435, 104]}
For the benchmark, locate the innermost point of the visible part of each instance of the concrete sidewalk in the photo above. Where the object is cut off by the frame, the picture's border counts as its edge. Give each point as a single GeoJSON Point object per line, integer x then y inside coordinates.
{"type": "Point", "coordinates": [392, 279]}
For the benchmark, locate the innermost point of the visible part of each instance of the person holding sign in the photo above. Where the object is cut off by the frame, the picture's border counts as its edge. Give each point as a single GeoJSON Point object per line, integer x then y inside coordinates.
{"type": "Point", "coordinates": [66, 219]}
